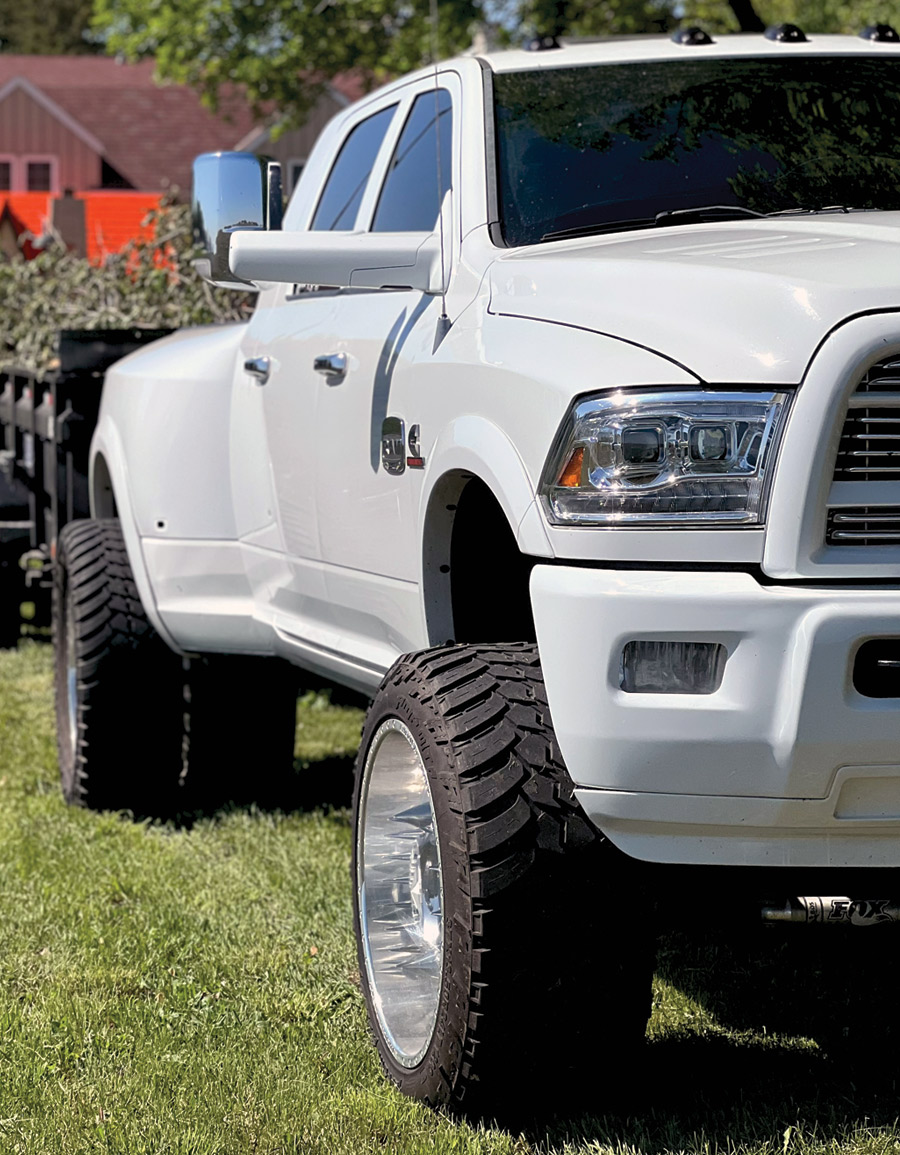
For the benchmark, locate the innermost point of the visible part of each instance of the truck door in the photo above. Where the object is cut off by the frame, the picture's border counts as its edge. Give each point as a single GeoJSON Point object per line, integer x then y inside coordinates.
{"type": "Point", "coordinates": [290, 329]}
{"type": "Point", "coordinates": [380, 347]}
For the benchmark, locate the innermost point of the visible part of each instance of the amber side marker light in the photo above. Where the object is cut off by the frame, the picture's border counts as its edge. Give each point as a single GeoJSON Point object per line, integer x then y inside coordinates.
{"type": "Point", "coordinates": [570, 477]}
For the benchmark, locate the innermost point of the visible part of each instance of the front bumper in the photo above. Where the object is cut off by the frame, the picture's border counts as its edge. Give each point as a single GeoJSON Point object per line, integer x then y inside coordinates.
{"type": "Point", "coordinates": [785, 764]}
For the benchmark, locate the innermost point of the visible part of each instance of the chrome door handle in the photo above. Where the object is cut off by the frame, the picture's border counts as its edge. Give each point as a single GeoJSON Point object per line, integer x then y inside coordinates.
{"type": "Point", "coordinates": [258, 367]}
{"type": "Point", "coordinates": [331, 364]}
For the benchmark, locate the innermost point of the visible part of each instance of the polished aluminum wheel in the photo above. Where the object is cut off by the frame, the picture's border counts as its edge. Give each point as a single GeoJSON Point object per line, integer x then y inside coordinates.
{"type": "Point", "coordinates": [400, 892]}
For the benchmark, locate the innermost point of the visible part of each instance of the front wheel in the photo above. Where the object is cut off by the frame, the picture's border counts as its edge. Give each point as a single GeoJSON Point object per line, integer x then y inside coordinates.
{"type": "Point", "coordinates": [484, 898]}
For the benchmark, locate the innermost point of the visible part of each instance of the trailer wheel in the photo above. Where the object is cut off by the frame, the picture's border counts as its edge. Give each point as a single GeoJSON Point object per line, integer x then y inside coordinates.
{"type": "Point", "coordinates": [119, 697]}
{"type": "Point", "coordinates": [487, 907]}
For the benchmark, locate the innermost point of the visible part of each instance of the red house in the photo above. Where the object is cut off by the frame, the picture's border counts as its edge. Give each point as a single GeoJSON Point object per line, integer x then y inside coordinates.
{"type": "Point", "coordinates": [90, 144]}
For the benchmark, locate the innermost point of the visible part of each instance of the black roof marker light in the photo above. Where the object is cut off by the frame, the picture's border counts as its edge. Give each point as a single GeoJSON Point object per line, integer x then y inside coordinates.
{"type": "Point", "coordinates": [692, 37]}
{"type": "Point", "coordinates": [786, 34]}
{"type": "Point", "coordinates": [541, 44]}
{"type": "Point", "coordinates": [880, 32]}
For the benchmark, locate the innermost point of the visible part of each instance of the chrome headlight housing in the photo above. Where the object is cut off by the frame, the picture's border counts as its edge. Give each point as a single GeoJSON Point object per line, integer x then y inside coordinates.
{"type": "Point", "coordinates": [693, 458]}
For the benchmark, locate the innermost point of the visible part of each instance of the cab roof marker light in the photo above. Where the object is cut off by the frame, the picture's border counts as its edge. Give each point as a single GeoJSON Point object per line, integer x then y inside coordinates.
{"type": "Point", "coordinates": [541, 44]}
{"type": "Point", "coordinates": [786, 34]}
{"type": "Point", "coordinates": [692, 37]}
{"type": "Point", "coordinates": [881, 33]}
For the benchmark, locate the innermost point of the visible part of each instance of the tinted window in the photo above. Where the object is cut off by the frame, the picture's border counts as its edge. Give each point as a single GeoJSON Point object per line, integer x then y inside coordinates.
{"type": "Point", "coordinates": [412, 194]}
{"type": "Point", "coordinates": [5, 175]}
{"type": "Point", "coordinates": [584, 148]}
{"type": "Point", "coordinates": [344, 189]}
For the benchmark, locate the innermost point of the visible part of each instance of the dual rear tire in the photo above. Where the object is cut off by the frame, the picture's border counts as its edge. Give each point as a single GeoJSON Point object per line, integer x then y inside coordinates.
{"type": "Point", "coordinates": [139, 727]}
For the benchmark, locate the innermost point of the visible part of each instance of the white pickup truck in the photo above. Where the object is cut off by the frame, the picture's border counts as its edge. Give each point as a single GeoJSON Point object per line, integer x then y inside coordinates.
{"type": "Point", "coordinates": [572, 391]}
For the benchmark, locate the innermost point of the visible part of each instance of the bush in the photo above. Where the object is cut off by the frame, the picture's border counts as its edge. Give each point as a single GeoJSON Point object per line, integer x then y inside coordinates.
{"type": "Point", "coordinates": [150, 284]}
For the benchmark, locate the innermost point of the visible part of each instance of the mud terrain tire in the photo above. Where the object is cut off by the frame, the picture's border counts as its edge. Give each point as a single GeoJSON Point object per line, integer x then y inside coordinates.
{"type": "Point", "coordinates": [539, 983]}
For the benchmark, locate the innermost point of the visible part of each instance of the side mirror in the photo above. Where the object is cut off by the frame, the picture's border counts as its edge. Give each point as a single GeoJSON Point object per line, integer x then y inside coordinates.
{"type": "Point", "coordinates": [233, 192]}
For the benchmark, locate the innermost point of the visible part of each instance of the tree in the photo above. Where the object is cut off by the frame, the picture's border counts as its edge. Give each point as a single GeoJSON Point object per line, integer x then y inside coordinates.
{"type": "Point", "coordinates": [54, 26]}
{"type": "Point", "coordinates": [609, 17]}
{"type": "Point", "coordinates": [282, 52]}
{"type": "Point", "coordinates": [813, 16]}
{"type": "Point", "coordinates": [151, 284]}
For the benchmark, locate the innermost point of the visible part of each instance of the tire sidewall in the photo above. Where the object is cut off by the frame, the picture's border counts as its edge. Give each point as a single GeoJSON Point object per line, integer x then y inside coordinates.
{"type": "Point", "coordinates": [68, 753]}
{"type": "Point", "coordinates": [434, 1077]}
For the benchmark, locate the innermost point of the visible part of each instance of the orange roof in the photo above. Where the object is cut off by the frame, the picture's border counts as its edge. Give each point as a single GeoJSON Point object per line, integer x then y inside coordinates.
{"type": "Point", "coordinates": [30, 210]}
{"type": "Point", "coordinates": [112, 219]}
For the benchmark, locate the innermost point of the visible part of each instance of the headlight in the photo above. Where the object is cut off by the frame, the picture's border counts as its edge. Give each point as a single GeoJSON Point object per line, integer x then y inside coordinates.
{"type": "Point", "coordinates": [673, 458]}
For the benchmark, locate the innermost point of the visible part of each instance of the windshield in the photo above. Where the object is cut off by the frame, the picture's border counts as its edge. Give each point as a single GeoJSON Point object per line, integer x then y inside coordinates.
{"type": "Point", "coordinates": [584, 148]}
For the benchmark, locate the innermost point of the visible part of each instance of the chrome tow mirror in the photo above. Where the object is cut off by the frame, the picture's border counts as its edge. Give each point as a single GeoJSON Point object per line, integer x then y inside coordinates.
{"type": "Point", "coordinates": [233, 192]}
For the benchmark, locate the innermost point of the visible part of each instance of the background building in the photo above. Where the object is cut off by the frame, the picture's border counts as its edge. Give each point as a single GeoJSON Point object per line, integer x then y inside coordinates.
{"type": "Point", "coordinates": [89, 145]}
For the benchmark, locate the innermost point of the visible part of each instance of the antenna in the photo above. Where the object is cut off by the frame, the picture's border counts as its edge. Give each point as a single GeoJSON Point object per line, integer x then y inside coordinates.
{"type": "Point", "coordinates": [443, 324]}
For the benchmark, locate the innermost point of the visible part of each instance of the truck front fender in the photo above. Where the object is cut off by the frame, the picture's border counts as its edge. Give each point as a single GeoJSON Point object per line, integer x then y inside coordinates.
{"type": "Point", "coordinates": [474, 446]}
{"type": "Point", "coordinates": [470, 447]}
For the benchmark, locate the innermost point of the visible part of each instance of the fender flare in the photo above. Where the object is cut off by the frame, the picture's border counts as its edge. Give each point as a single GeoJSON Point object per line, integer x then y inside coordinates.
{"type": "Point", "coordinates": [107, 444]}
{"type": "Point", "coordinates": [474, 445]}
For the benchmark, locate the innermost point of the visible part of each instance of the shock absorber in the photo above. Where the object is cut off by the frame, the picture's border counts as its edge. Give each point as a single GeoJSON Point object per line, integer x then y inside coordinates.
{"type": "Point", "coordinates": [836, 911]}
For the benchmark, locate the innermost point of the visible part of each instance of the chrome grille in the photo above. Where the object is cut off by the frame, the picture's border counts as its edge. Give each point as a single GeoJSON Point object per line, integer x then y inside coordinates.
{"type": "Point", "coordinates": [869, 448]}
{"type": "Point", "coordinates": [864, 525]}
{"type": "Point", "coordinates": [881, 378]}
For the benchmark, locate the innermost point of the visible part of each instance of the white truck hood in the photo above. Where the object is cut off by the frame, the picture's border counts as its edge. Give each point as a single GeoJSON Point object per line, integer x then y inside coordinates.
{"type": "Point", "coordinates": [746, 301]}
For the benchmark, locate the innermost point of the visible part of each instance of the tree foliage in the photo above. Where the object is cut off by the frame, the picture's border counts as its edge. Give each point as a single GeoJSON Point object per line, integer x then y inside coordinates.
{"type": "Point", "coordinates": [282, 51]}
{"type": "Point", "coordinates": [814, 16]}
{"type": "Point", "coordinates": [51, 27]}
{"type": "Point", "coordinates": [616, 17]}
{"type": "Point", "coordinates": [151, 284]}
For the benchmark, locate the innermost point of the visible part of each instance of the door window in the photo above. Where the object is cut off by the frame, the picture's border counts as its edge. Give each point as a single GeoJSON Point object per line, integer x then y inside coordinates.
{"type": "Point", "coordinates": [346, 184]}
{"type": "Point", "coordinates": [419, 172]}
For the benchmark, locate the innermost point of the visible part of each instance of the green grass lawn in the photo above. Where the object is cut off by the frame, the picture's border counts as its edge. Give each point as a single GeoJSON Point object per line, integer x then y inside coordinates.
{"type": "Point", "coordinates": [195, 991]}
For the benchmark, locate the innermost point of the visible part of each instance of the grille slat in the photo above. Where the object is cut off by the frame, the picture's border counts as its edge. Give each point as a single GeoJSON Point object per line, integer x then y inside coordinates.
{"type": "Point", "coordinates": [881, 377]}
{"type": "Point", "coordinates": [864, 448]}
{"type": "Point", "coordinates": [868, 463]}
{"type": "Point", "coordinates": [864, 525]}
{"type": "Point", "coordinates": [853, 519]}
{"type": "Point", "coordinates": [865, 538]}
{"type": "Point", "coordinates": [863, 400]}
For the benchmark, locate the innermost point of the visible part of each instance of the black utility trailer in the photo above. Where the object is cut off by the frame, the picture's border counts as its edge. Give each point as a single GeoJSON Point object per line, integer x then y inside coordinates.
{"type": "Point", "coordinates": [46, 423]}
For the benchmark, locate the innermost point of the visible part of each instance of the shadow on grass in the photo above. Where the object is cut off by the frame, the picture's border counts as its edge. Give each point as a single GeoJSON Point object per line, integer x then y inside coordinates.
{"type": "Point", "coordinates": [323, 784]}
{"type": "Point", "coordinates": [696, 1093]}
{"type": "Point", "coordinates": [755, 1071]}
{"type": "Point", "coordinates": [311, 785]}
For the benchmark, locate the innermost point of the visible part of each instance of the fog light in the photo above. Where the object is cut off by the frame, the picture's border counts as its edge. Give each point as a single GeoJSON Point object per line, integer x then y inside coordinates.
{"type": "Point", "coordinates": [657, 667]}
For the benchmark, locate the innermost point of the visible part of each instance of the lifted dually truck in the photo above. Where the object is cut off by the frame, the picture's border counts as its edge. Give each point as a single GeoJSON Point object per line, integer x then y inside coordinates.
{"type": "Point", "coordinates": [572, 392]}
